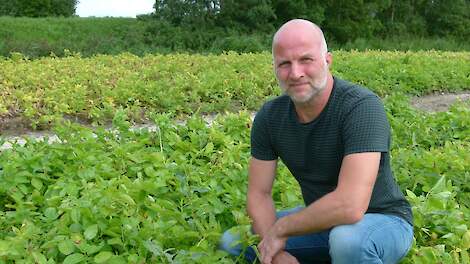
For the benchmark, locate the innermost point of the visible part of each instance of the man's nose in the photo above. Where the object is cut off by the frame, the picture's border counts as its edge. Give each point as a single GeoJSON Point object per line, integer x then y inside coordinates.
{"type": "Point", "coordinates": [296, 71]}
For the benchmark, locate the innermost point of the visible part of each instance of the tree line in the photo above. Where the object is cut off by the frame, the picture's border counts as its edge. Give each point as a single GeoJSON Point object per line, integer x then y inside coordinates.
{"type": "Point", "coordinates": [343, 20]}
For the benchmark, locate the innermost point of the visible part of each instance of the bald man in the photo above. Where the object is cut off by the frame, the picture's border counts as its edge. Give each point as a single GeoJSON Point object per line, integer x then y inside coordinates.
{"type": "Point", "coordinates": [334, 137]}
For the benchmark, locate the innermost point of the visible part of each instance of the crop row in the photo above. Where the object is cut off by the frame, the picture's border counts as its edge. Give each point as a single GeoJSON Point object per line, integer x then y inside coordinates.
{"type": "Point", "coordinates": [44, 90]}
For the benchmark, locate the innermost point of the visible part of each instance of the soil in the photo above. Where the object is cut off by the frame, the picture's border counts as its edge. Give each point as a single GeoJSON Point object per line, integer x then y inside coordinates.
{"type": "Point", "coordinates": [439, 102]}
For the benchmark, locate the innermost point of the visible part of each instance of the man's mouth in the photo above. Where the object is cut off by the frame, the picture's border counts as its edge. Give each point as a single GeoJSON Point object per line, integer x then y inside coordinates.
{"type": "Point", "coordinates": [297, 84]}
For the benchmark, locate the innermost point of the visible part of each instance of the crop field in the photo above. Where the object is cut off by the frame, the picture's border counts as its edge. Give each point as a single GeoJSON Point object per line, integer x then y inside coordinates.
{"type": "Point", "coordinates": [126, 195]}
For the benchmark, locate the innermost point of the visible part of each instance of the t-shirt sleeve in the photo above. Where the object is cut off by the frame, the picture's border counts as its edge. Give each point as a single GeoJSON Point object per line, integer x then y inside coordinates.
{"type": "Point", "coordinates": [365, 127]}
{"type": "Point", "coordinates": [261, 147]}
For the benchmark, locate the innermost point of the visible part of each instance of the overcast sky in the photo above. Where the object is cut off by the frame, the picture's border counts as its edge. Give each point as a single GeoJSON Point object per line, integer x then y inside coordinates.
{"type": "Point", "coordinates": [115, 8]}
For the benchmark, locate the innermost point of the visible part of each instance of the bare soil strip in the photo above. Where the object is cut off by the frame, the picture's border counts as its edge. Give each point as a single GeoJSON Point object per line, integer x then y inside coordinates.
{"type": "Point", "coordinates": [439, 102]}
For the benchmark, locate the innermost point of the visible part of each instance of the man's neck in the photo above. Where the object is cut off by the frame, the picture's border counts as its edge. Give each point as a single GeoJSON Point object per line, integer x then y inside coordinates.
{"type": "Point", "coordinates": [308, 111]}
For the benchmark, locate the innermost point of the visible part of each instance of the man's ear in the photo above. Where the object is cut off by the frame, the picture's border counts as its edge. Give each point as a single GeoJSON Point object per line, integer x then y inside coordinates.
{"type": "Point", "coordinates": [328, 58]}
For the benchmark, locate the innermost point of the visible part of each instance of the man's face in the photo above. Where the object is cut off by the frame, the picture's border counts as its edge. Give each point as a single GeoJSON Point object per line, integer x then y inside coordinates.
{"type": "Point", "coordinates": [300, 66]}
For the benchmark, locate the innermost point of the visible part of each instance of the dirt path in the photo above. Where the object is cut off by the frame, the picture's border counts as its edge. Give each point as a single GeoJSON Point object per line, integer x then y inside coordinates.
{"type": "Point", "coordinates": [439, 102]}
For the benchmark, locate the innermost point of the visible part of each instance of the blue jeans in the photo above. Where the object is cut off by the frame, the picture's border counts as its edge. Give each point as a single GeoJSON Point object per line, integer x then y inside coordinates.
{"type": "Point", "coordinates": [377, 238]}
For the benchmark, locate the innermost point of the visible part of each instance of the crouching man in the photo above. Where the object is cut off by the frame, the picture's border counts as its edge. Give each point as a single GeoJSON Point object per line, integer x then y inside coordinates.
{"type": "Point", "coordinates": [334, 137]}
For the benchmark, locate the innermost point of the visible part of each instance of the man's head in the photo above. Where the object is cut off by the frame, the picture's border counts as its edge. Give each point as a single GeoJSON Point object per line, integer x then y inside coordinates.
{"type": "Point", "coordinates": [301, 59]}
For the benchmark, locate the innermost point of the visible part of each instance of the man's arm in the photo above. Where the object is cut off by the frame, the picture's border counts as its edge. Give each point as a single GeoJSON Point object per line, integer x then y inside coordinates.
{"type": "Point", "coordinates": [347, 204]}
{"type": "Point", "coordinates": [260, 204]}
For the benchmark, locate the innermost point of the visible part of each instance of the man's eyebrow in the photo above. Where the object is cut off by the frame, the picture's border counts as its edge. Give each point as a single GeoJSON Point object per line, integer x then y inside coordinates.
{"type": "Point", "coordinates": [282, 61]}
{"type": "Point", "coordinates": [303, 56]}
{"type": "Point", "coordinates": [308, 55]}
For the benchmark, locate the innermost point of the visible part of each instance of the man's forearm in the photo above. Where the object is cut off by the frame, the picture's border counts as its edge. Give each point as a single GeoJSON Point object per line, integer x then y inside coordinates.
{"type": "Point", "coordinates": [261, 210]}
{"type": "Point", "coordinates": [325, 213]}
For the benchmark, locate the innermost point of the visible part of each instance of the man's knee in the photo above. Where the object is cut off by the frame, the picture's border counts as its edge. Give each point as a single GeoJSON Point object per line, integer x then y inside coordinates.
{"type": "Point", "coordinates": [346, 245]}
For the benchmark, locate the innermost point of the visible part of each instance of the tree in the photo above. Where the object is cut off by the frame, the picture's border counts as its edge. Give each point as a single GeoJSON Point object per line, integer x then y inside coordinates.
{"type": "Point", "coordinates": [348, 20]}
{"type": "Point", "coordinates": [448, 18]}
{"type": "Point", "coordinates": [7, 7]}
{"type": "Point", "coordinates": [404, 17]}
{"type": "Point", "coordinates": [192, 13]}
{"type": "Point", "coordinates": [38, 8]}
{"type": "Point", "coordinates": [64, 8]}
{"type": "Point", "coordinates": [285, 10]}
{"type": "Point", "coordinates": [246, 15]}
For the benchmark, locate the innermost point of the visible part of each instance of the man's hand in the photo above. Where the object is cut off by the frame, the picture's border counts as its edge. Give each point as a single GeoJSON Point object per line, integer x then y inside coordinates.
{"type": "Point", "coordinates": [271, 245]}
{"type": "Point", "coordinates": [283, 257]}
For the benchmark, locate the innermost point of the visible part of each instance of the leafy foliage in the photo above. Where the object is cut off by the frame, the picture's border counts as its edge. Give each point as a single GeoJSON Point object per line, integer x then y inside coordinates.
{"type": "Point", "coordinates": [431, 163]}
{"type": "Point", "coordinates": [166, 196]}
{"type": "Point", "coordinates": [45, 90]}
{"type": "Point", "coordinates": [129, 196]}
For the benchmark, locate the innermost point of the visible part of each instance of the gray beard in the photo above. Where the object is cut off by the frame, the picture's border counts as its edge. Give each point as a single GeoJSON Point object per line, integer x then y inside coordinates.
{"type": "Point", "coordinates": [312, 93]}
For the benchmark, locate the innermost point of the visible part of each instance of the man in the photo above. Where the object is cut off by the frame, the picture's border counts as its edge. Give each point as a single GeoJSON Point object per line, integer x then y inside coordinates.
{"type": "Point", "coordinates": [335, 138]}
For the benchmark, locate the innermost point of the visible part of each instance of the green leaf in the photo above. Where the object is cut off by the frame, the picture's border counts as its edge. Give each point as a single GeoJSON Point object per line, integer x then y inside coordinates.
{"type": "Point", "coordinates": [74, 258]}
{"type": "Point", "coordinates": [75, 228]}
{"type": "Point", "coordinates": [428, 255]}
{"type": "Point", "coordinates": [66, 247]}
{"type": "Point", "coordinates": [51, 213]}
{"type": "Point", "coordinates": [54, 201]}
{"type": "Point", "coordinates": [39, 258]}
{"type": "Point", "coordinates": [410, 194]}
{"type": "Point", "coordinates": [91, 232]}
{"type": "Point", "coordinates": [4, 248]}
{"type": "Point", "coordinates": [133, 258]}
{"type": "Point", "coordinates": [89, 249]}
{"type": "Point", "coordinates": [103, 256]}
{"type": "Point", "coordinates": [36, 183]}
{"type": "Point", "coordinates": [149, 171]}
{"type": "Point", "coordinates": [466, 240]}
{"type": "Point", "coordinates": [127, 199]}
{"type": "Point", "coordinates": [153, 247]}
{"type": "Point", "coordinates": [75, 215]}
{"type": "Point", "coordinates": [435, 203]}
{"type": "Point", "coordinates": [117, 260]}
{"type": "Point", "coordinates": [440, 185]}
{"type": "Point", "coordinates": [114, 241]}
{"type": "Point", "coordinates": [208, 149]}
{"type": "Point", "coordinates": [465, 257]}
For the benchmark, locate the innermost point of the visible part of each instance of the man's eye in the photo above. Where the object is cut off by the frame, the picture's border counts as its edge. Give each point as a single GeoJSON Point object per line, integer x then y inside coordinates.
{"type": "Point", "coordinates": [307, 60]}
{"type": "Point", "coordinates": [283, 64]}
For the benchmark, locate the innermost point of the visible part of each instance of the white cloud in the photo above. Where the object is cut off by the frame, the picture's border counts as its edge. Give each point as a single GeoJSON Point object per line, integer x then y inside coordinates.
{"type": "Point", "coordinates": [114, 8]}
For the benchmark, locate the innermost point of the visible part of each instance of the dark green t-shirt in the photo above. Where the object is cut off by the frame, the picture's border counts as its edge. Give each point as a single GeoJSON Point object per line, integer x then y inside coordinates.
{"type": "Point", "coordinates": [352, 121]}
